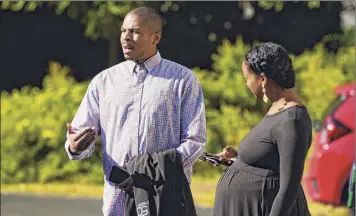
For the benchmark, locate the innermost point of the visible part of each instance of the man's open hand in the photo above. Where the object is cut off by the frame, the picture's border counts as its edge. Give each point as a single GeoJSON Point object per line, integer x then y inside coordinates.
{"type": "Point", "coordinates": [81, 140]}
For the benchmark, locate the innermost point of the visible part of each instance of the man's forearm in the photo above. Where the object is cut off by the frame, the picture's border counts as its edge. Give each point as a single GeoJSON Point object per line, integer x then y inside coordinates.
{"type": "Point", "coordinates": [193, 123]}
{"type": "Point", "coordinates": [190, 151]}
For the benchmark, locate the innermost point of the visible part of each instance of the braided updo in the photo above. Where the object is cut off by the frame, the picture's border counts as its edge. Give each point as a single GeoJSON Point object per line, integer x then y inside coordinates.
{"type": "Point", "coordinates": [273, 61]}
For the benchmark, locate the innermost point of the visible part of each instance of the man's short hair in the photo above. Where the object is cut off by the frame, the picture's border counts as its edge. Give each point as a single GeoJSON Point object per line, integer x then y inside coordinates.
{"type": "Point", "coordinates": [152, 17]}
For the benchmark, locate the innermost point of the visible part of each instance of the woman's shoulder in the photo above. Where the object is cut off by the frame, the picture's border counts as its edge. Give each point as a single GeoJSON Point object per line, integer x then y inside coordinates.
{"type": "Point", "coordinates": [295, 115]}
{"type": "Point", "coordinates": [292, 112]}
{"type": "Point", "coordinates": [297, 112]}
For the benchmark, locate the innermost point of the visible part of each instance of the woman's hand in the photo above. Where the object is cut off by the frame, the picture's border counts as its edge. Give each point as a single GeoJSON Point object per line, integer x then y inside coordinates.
{"type": "Point", "coordinates": [228, 153]}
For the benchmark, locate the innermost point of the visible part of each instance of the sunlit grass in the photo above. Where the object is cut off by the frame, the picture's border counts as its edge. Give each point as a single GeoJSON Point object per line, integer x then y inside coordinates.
{"type": "Point", "coordinates": [203, 190]}
{"type": "Point", "coordinates": [56, 189]}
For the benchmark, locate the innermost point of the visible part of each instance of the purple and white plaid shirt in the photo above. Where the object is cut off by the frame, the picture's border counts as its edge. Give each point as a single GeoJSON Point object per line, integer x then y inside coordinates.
{"type": "Point", "coordinates": [142, 108]}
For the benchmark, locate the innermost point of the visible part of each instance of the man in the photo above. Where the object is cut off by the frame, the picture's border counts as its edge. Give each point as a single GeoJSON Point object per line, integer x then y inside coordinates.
{"type": "Point", "coordinates": [144, 104]}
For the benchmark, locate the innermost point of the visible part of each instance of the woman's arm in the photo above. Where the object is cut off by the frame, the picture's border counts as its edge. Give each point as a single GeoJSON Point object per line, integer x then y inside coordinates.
{"type": "Point", "coordinates": [292, 138]}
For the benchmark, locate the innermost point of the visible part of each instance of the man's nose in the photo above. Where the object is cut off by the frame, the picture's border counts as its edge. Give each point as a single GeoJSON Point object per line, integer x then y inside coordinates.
{"type": "Point", "coordinates": [126, 36]}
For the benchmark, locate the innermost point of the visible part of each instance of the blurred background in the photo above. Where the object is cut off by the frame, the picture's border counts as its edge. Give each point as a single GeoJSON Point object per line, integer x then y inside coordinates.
{"type": "Point", "coordinates": [49, 51]}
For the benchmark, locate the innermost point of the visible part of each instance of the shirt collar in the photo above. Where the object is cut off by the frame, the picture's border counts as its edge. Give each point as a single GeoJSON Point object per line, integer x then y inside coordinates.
{"type": "Point", "coordinates": [149, 64]}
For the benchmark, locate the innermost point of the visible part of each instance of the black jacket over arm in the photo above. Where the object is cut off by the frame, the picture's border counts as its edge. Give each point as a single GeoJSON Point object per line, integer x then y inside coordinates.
{"type": "Point", "coordinates": [156, 185]}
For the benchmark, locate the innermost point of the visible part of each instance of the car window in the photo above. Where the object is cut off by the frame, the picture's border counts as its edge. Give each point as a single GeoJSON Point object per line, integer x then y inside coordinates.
{"type": "Point", "coordinates": [336, 103]}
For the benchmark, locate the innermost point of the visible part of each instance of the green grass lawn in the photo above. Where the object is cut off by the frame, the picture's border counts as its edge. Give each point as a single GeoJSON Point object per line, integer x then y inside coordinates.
{"type": "Point", "coordinates": [203, 190]}
{"type": "Point", "coordinates": [55, 189]}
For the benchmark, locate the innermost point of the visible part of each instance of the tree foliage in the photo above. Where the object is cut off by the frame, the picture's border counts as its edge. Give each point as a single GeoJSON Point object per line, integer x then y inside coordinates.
{"type": "Point", "coordinates": [101, 18]}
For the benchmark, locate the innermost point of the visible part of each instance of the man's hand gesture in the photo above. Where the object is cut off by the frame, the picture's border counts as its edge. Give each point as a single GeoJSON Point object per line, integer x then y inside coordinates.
{"type": "Point", "coordinates": [80, 141]}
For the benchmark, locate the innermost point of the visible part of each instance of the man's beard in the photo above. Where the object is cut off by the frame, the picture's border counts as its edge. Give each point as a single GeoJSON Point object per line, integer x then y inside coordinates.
{"type": "Point", "coordinates": [139, 59]}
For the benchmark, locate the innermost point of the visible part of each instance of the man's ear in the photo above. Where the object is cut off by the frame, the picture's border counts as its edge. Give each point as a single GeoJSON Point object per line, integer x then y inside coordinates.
{"type": "Point", "coordinates": [157, 38]}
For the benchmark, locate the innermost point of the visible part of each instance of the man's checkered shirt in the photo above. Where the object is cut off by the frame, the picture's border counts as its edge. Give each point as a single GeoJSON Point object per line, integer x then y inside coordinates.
{"type": "Point", "coordinates": [142, 108]}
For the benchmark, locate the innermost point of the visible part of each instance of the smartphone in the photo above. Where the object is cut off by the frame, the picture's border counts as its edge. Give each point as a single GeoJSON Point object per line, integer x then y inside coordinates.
{"type": "Point", "coordinates": [215, 160]}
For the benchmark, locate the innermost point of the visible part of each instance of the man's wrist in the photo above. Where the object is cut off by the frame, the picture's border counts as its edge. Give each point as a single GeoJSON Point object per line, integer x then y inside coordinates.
{"type": "Point", "coordinates": [73, 153]}
{"type": "Point", "coordinates": [179, 153]}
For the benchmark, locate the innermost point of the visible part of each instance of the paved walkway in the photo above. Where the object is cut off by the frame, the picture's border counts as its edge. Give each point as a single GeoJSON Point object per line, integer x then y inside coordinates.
{"type": "Point", "coordinates": [30, 205]}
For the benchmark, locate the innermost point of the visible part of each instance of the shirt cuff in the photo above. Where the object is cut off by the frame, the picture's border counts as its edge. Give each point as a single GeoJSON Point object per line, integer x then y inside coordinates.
{"type": "Point", "coordinates": [72, 153]}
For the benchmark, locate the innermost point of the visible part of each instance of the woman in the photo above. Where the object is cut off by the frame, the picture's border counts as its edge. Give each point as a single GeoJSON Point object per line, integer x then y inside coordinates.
{"type": "Point", "coordinates": [265, 178]}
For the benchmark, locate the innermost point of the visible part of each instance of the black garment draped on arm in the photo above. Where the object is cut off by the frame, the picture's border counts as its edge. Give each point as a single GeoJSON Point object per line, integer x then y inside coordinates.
{"type": "Point", "coordinates": [155, 184]}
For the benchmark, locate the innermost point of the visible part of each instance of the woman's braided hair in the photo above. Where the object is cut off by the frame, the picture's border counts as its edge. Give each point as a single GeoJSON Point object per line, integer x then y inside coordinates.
{"type": "Point", "coordinates": [273, 61]}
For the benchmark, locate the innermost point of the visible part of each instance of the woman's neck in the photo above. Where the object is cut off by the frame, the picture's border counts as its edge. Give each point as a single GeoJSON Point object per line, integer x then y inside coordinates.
{"type": "Point", "coordinates": [285, 99]}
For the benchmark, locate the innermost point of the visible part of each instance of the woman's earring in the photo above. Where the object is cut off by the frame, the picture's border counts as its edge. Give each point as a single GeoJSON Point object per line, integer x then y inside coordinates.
{"type": "Point", "coordinates": [265, 98]}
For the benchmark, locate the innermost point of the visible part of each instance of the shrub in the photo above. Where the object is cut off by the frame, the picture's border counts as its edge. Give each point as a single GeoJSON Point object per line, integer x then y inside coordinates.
{"type": "Point", "coordinates": [34, 127]}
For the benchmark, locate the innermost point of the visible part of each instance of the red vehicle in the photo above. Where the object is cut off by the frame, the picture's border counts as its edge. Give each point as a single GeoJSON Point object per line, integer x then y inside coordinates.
{"type": "Point", "coordinates": [333, 151]}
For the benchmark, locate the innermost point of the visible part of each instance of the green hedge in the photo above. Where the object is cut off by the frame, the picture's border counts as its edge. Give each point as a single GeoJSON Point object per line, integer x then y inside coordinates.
{"type": "Point", "coordinates": [33, 131]}
{"type": "Point", "coordinates": [34, 120]}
